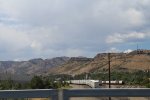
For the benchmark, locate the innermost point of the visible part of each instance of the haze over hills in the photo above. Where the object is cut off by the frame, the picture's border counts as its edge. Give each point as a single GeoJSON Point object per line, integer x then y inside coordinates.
{"type": "Point", "coordinates": [76, 65]}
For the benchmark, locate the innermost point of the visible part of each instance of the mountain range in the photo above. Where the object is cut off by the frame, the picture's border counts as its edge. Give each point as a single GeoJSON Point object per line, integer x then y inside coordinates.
{"type": "Point", "coordinates": [135, 60]}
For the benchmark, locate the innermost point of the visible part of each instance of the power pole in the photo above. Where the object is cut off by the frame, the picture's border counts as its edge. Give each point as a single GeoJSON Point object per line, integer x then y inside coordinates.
{"type": "Point", "coordinates": [109, 72]}
{"type": "Point", "coordinates": [137, 49]}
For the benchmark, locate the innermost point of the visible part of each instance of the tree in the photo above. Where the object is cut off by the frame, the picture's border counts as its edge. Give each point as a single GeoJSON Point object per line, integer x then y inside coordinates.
{"type": "Point", "coordinates": [37, 83]}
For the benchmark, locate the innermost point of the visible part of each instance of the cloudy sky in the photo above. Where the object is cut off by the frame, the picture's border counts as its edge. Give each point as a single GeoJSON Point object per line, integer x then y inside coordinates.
{"type": "Point", "coordinates": [50, 28]}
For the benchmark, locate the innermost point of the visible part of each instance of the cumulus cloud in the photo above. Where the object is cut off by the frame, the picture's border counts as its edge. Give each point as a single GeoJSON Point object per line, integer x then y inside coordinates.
{"type": "Point", "coordinates": [128, 37]}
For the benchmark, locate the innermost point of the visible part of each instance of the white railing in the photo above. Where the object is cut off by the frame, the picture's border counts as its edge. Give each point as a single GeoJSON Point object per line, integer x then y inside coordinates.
{"type": "Point", "coordinates": [67, 93]}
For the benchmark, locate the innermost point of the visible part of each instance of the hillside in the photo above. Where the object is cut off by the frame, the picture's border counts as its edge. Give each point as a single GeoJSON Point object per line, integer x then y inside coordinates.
{"type": "Point", "coordinates": [72, 66]}
{"type": "Point", "coordinates": [119, 62]}
{"type": "Point", "coordinates": [29, 68]}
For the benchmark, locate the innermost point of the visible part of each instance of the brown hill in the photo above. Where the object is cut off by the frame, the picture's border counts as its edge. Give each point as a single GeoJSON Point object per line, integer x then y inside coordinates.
{"type": "Point", "coordinates": [119, 62]}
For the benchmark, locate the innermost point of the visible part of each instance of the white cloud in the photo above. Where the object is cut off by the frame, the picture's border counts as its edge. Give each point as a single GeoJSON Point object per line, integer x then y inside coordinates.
{"type": "Point", "coordinates": [134, 17]}
{"type": "Point", "coordinates": [13, 39]}
{"type": "Point", "coordinates": [144, 2]}
{"type": "Point", "coordinates": [113, 50]}
{"type": "Point", "coordinates": [128, 51]}
{"type": "Point", "coordinates": [74, 52]}
{"type": "Point", "coordinates": [128, 37]}
{"type": "Point", "coordinates": [36, 45]}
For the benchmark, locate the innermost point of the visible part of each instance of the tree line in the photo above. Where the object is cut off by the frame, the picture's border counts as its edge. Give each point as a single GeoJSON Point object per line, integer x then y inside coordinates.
{"type": "Point", "coordinates": [37, 82]}
{"type": "Point", "coordinates": [141, 78]}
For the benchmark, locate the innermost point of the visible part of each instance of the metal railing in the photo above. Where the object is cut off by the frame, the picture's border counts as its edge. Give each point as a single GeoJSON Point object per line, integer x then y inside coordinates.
{"type": "Point", "coordinates": [67, 93]}
{"type": "Point", "coordinates": [37, 93]}
{"type": "Point", "coordinates": [106, 93]}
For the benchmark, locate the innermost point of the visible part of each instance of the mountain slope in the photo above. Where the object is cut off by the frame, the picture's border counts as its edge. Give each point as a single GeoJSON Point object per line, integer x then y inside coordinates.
{"type": "Point", "coordinates": [31, 67]}
{"type": "Point", "coordinates": [73, 65]}
{"type": "Point", "coordinates": [119, 62]}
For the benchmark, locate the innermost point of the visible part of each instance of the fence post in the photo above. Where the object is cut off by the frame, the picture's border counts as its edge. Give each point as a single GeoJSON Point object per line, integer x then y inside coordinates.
{"type": "Point", "coordinates": [55, 95]}
{"type": "Point", "coordinates": [65, 95]}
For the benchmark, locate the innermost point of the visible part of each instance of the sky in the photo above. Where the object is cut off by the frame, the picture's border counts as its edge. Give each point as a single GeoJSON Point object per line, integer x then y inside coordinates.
{"type": "Point", "coordinates": [52, 28]}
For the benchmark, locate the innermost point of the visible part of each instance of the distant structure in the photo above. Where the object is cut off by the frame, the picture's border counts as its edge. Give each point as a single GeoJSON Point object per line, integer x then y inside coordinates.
{"type": "Point", "coordinates": [91, 83]}
{"type": "Point", "coordinates": [142, 51]}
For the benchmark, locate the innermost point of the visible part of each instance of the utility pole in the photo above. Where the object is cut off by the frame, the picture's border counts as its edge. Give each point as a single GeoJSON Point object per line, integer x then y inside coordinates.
{"type": "Point", "coordinates": [109, 69]}
{"type": "Point", "coordinates": [109, 72]}
{"type": "Point", "coordinates": [137, 49]}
